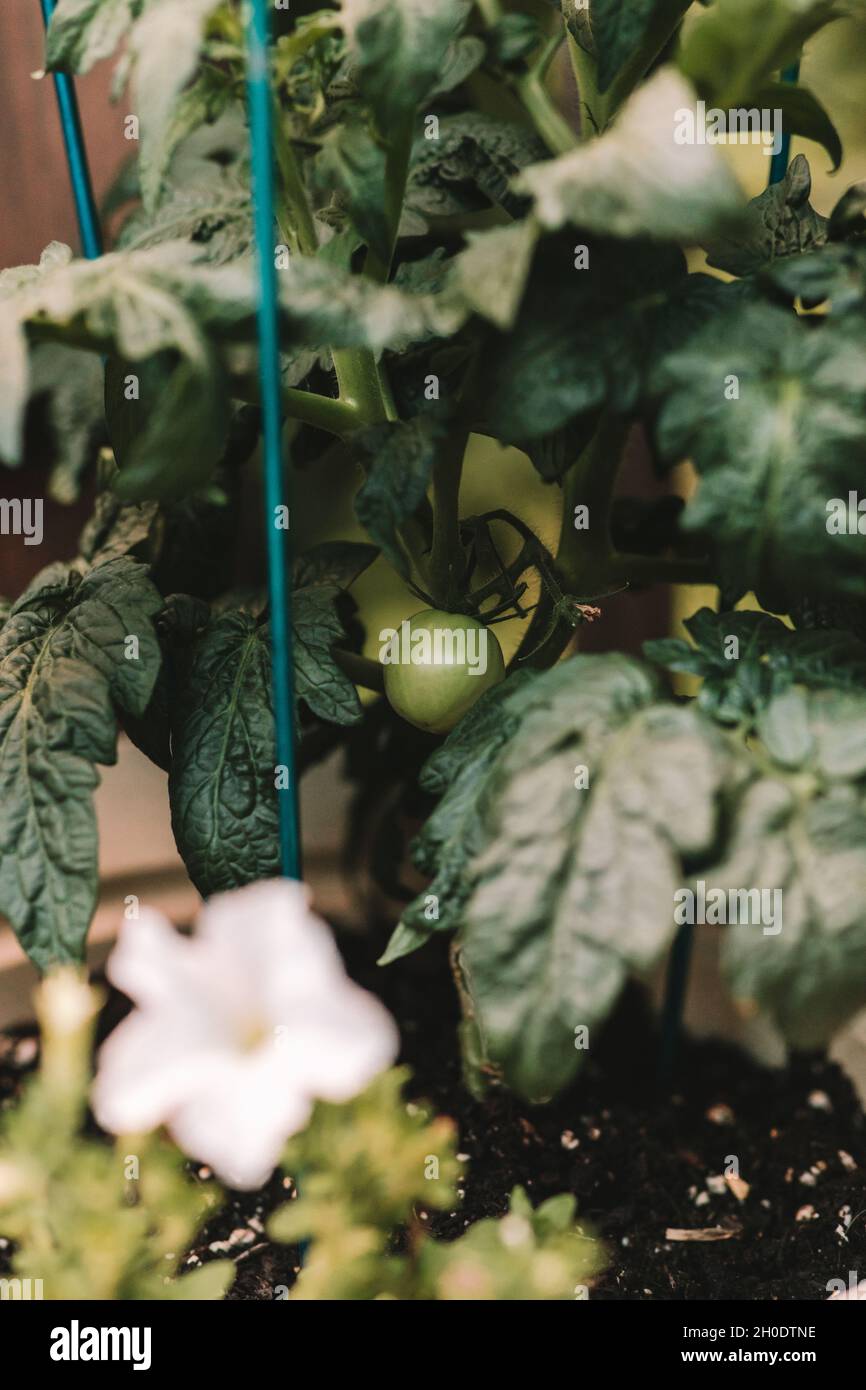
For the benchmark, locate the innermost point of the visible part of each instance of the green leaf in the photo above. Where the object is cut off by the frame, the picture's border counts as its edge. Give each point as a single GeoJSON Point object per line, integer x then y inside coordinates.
{"type": "Point", "coordinates": [83, 32]}
{"type": "Point", "coordinates": [470, 166]}
{"type": "Point", "coordinates": [216, 219]}
{"type": "Point", "coordinates": [461, 60]}
{"type": "Point", "coordinates": [802, 114]}
{"type": "Point", "coordinates": [169, 434]}
{"type": "Point", "coordinates": [399, 49]}
{"type": "Point", "coordinates": [353, 163]}
{"type": "Point", "coordinates": [493, 270]}
{"type": "Point", "coordinates": [587, 333]}
{"type": "Point", "coordinates": [636, 180]}
{"type": "Point", "coordinates": [337, 563]}
{"type": "Point", "coordinates": [779, 222]}
{"type": "Point", "coordinates": [574, 886]}
{"type": "Point", "coordinates": [735, 46]}
{"type": "Point", "coordinates": [114, 529]}
{"type": "Point", "coordinates": [847, 217]}
{"type": "Point", "coordinates": [400, 458]}
{"type": "Point", "coordinates": [130, 300]}
{"type": "Point", "coordinates": [619, 28]}
{"type": "Point", "coordinates": [747, 658]}
{"type": "Point", "coordinates": [528, 1255]}
{"type": "Point", "coordinates": [210, 1281]}
{"type": "Point", "coordinates": [166, 43]}
{"type": "Point", "coordinates": [71, 385]}
{"type": "Point", "coordinates": [319, 682]}
{"type": "Point", "coordinates": [222, 780]}
{"type": "Point", "coordinates": [835, 273]}
{"type": "Point", "coordinates": [203, 101]}
{"type": "Point", "coordinates": [805, 838]}
{"type": "Point", "coordinates": [772, 409]}
{"type": "Point", "coordinates": [66, 661]}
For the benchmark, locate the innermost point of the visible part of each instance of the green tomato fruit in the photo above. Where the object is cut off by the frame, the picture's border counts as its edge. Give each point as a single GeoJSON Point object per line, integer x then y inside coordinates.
{"type": "Point", "coordinates": [437, 665]}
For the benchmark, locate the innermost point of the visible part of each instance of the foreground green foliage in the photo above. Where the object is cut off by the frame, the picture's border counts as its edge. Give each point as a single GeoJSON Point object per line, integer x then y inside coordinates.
{"type": "Point", "coordinates": [377, 1164]}
{"type": "Point", "coordinates": [455, 260]}
{"type": "Point", "coordinates": [91, 1221]}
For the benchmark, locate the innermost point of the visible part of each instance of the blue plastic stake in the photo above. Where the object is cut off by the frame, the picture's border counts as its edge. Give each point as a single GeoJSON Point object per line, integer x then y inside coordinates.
{"type": "Point", "coordinates": [279, 572]}
{"type": "Point", "coordinates": [73, 139]}
{"type": "Point", "coordinates": [779, 162]}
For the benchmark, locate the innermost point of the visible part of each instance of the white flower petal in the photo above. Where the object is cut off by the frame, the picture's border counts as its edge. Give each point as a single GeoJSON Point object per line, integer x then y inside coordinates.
{"type": "Point", "coordinates": [239, 1122]}
{"type": "Point", "coordinates": [334, 1047]}
{"type": "Point", "coordinates": [242, 1028]}
{"type": "Point", "coordinates": [149, 1066]}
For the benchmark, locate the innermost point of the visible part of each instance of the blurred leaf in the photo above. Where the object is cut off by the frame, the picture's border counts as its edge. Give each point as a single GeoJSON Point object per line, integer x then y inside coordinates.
{"type": "Point", "coordinates": [635, 180]}
{"type": "Point", "coordinates": [734, 46]}
{"type": "Point", "coordinates": [802, 114]}
{"type": "Point", "coordinates": [493, 270]}
{"type": "Point", "coordinates": [619, 28]}
{"type": "Point", "coordinates": [772, 409]}
{"type": "Point", "coordinates": [805, 839]}
{"type": "Point", "coordinates": [168, 422]}
{"type": "Point", "coordinates": [747, 658]}
{"type": "Point", "coordinates": [83, 32]}
{"type": "Point", "coordinates": [525, 1256]}
{"type": "Point", "coordinates": [399, 49]}
{"type": "Point", "coordinates": [470, 165]}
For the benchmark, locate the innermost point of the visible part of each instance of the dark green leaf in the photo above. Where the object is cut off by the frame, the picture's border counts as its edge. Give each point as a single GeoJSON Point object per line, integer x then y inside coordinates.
{"type": "Point", "coordinates": [836, 273]}
{"type": "Point", "coordinates": [222, 782]}
{"type": "Point", "coordinates": [338, 563]}
{"type": "Point", "coordinates": [319, 682]}
{"type": "Point", "coordinates": [470, 165]}
{"type": "Point", "coordinates": [620, 27]}
{"type": "Point", "coordinates": [400, 464]}
{"type": "Point", "coordinates": [353, 163]}
{"type": "Point", "coordinates": [847, 217]}
{"type": "Point", "coordinates": [168, 422]}
{"type": "Point", "coordinates": [71, 649]}
{"type": "Point", "coordinates": [399, 49]}
{"type": "Point", "coordinates": [802, 114]}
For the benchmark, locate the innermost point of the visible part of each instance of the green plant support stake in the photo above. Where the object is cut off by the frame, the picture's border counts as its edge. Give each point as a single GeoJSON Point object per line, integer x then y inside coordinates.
{"type": "Point", "coordinates": [76, 156]}
{"type": "Point", "coordinates": [279, 571]}
{"type": "Point", "coordinates": [677, 979]}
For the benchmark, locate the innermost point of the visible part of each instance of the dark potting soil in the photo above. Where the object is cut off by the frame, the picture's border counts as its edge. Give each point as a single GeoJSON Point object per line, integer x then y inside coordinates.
{"type": "Point", "coordinates": [648, 1165]}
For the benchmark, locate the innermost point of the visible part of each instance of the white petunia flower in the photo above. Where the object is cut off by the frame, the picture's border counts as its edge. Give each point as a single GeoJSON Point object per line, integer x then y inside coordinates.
{"type": "Point", "coordinates": [237, 1030]}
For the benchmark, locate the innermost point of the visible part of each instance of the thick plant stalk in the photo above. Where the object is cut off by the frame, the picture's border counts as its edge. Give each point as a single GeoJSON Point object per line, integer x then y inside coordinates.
{"type": "Point", "coordinates": [76, 156]}
{"type": "Point", "coordinates": [279, 568]}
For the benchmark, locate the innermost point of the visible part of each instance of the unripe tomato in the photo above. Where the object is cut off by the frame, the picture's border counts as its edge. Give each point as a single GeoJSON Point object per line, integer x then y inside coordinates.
{"type": "Point", "coordinates": [437, 665]}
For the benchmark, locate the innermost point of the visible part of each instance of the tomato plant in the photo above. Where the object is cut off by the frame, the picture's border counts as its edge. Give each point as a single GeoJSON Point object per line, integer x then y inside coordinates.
{"type": "Point", "coordinates": [482, 218]}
